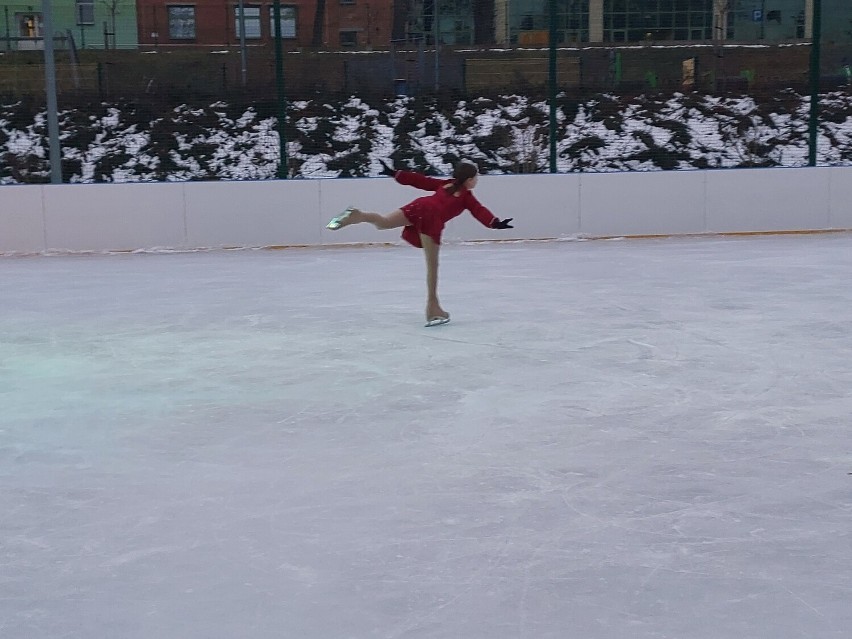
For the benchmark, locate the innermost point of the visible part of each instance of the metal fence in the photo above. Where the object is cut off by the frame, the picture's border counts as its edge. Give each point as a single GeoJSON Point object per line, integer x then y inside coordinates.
{"type": "Point", "coordinates": [272, 113]}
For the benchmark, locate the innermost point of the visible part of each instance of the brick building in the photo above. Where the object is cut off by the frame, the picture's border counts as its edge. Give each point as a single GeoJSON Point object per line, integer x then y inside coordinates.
{"type": "Point", "coordinates": [338, 24]}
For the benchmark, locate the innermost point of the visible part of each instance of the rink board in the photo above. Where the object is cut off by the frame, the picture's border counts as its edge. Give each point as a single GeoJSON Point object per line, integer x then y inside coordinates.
{"type": "Point", "coordinates": [194, 215]}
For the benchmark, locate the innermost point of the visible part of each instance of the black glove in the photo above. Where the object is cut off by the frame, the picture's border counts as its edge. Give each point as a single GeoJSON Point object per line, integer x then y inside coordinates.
{"type": "Point", "coordinates": [502, 224]}
{"type": "Point", "coordinates": [387, 169]}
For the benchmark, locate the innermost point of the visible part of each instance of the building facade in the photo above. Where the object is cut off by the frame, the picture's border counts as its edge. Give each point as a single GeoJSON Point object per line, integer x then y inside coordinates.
{"type": "Point", "coordinates": [321, 24]}
{"type": "Point", "coordinates": [625, 21]}
{"type": "Point", "coordinates": [782, 20]}
{"type": "Point", "coordinates": [92, 24]}
{"type": "Point", "coordinates": [377, 24]}
{"type": "Point", "coordinates": [527, 22]}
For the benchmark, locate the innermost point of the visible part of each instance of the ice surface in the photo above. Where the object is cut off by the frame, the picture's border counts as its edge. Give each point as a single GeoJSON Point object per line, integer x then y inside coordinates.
{"type": "Point", "coordinates": [634, 439]}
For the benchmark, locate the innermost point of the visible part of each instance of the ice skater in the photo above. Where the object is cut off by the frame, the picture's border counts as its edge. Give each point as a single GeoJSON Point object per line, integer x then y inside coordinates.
{"type": "Point", "coordinates": [424, 219]}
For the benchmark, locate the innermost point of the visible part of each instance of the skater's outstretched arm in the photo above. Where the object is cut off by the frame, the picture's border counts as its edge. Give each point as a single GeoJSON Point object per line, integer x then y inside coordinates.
{"type": "Point", "coordinates": [480, 212]}
{"type": "Point", "coordinates": [412, 178]}
{"type": "Point", "coordinates": [486, 217]}
{"type": "Point", "coordinates": [419, 181]}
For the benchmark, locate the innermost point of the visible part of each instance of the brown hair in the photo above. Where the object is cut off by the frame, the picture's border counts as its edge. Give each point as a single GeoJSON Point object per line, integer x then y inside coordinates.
{"type": "Point", "coordinates": [462, 172]}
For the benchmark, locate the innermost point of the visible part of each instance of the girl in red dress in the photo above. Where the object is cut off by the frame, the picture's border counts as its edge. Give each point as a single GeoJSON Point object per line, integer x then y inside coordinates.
{"type": "Point", "coordinates": [423, 220]}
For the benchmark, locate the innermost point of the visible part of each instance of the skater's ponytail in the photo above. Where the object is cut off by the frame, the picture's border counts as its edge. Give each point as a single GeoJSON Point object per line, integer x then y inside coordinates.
{"type": "Point", "coordinates": [463, 171]}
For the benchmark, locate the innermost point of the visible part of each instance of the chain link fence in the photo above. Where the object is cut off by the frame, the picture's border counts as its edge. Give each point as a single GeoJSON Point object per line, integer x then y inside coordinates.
{"type": "Point", "coordinates": [548, 102]}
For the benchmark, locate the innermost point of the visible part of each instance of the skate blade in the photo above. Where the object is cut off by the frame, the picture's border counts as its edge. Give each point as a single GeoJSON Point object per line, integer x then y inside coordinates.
{"type": "Point", "coordinates": [436, 321]}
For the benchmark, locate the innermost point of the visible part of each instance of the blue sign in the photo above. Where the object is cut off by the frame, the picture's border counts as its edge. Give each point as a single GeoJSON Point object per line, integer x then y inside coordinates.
{"type": "Point", "coordinates": [757, 15]}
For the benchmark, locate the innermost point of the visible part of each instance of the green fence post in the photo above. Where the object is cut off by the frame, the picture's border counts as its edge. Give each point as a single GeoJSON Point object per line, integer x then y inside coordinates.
{"type": "Point", "coordinates": [815, 73]}
{"type": "Point", "coordinates": [54, 145]}
{"type": "Point", "coordinates": [279, 84]}
{"type": "Point", "coordinates": [551, 73]}
{"type": "Point", "coordinates": [618, 69]}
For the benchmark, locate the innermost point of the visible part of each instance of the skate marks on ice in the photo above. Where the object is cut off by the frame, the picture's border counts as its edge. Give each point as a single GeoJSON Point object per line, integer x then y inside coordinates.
{"type": "Point", "coordinates": [623, 439]}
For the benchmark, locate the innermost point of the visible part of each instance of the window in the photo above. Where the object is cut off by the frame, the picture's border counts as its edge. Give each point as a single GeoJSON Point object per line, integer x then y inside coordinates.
{"type": "Point", "coordinates": [349, 38]}
{"type": "Point", "coordinates": [573, 22]}
{"type": "Point", "coordinates": [288, 22]}
{"type": "Point", "coordinates": [85, 11]}
{"type": "Point", "coordinates": [30, 25]}
{"type": "Point", "coordinates": [637, 20]}
{"type": "Point", "coordinates": [251, 20]}
{"type": "Point", "coordinates": [533, 27]}
{"type": "Point", "coordinates": [181, 23]}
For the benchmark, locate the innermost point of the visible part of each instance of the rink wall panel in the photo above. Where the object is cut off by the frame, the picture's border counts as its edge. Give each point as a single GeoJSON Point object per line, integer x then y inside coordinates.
{"type": "Point", "coordinates": [235, 214]}
{"type": "Point", "coordinates": [119, 217]}
{"type": "Point", "coordinates": [768, 200]}
{"type": "Point", "coordinates": [192, 215]}
{"type": "Point", "coordinates": [613, 204]}
{"type": "Point", "coordinates": [21, 219]}
{"type": "Point", "coordinates": [840, 198]}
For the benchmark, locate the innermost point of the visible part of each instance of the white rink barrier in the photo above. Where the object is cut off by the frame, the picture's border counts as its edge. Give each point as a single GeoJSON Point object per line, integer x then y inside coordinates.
{"type": "Point", "coordinates": [199, 215]}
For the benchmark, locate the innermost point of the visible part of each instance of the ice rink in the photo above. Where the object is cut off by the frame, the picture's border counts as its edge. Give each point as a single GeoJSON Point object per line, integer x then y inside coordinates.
{"type": "Point", "coordinates": [611, 440]}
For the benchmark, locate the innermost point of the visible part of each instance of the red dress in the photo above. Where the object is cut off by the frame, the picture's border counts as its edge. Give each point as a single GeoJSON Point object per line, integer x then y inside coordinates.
{"type": "Point", "coordinates": [429, 214]}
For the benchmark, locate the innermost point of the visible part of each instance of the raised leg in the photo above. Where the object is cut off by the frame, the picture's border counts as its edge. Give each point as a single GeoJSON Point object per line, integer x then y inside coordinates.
{"type": "Point", "coordinates": [390, 221]}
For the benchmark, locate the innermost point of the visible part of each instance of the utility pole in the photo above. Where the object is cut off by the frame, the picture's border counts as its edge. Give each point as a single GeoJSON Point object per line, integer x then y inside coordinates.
{"type": "Point", "coordinates": [50, 88]}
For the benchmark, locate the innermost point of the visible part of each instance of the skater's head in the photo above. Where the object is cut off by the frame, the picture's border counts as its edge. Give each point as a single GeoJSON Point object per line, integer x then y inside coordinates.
{"type": "Point", "coordinates": [465, 175]}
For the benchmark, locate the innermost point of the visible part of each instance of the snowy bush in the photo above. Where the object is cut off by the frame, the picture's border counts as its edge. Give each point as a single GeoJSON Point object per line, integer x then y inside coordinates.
{"type": "Point", "coordinates": [132, 142]}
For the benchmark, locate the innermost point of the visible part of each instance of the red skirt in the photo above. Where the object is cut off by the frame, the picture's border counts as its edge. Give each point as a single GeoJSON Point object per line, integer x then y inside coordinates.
{"type": "Point", "coordinates": [421, 219]}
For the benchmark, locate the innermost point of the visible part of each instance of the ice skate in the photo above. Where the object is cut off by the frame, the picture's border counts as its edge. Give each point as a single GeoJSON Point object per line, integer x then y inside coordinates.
{"type": "Point", "coordinates": [435, 315]}
{"type": "Point", "coordinates": [340, 220]}
{"type": "Point", "coordinates": [437, 321]}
